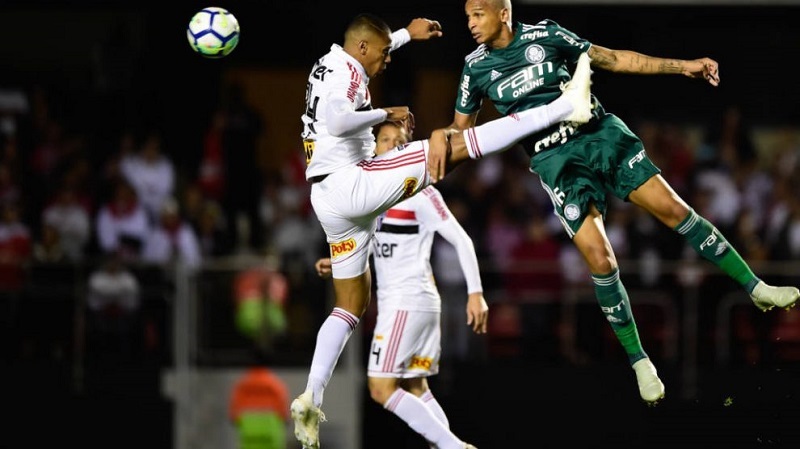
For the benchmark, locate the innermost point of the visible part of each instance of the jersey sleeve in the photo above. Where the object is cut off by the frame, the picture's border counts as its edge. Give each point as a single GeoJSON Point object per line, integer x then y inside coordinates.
{"type": "Point", "coordinates": [468, 96]}
{"type": "Point", "coordinates": [341, 113]}
{"type": "Point", "coordinates": [434, 214]}
{"type": "Point", "coordinates": [568, 42]}
{"type": "Point", "coordinates": [399, 38]}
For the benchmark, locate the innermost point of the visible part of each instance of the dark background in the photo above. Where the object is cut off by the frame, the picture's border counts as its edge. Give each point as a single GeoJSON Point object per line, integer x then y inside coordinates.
{"type": "Point", "coordinates": [155, 79]}
{"type": "Point", "coordinates": [143, 43]}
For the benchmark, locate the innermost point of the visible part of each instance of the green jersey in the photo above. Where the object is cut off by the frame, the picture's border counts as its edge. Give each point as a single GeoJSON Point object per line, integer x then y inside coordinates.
{"type": "Point", "coordinates": [525, 74]}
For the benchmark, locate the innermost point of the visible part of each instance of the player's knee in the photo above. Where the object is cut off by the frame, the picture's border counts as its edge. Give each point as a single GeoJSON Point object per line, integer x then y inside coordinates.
{"type": "Point", "coordinates": [601, 262]}
{"type": "Point", "coordinates": [381, 394]}
{"type": "Point", "coordinates": [381, 389]}
{"type": "Point", "coordinates": [676, 213]}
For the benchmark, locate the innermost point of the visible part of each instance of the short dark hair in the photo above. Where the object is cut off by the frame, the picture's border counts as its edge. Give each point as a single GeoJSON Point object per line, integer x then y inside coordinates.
{"type": "Point", "coordinates": [366, 22]}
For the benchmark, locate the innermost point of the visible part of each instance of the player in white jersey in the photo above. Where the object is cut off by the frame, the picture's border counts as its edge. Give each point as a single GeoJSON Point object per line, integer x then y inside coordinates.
{"type": "Point", "coordinates": [406, 342]}
{"type": "Point", "coordinates": [351, 187]}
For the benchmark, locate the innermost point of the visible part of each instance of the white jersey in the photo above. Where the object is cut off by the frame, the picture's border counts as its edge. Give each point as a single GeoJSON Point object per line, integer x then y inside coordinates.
{"type": "Point", "coordinates": [402, 252]}
{"type": "Point", "coordinates": [338, 119]}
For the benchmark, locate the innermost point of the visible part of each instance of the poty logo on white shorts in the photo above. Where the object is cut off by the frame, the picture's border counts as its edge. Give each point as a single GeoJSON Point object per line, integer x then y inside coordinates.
{"type": "Point", "coordinates": [572, 212]}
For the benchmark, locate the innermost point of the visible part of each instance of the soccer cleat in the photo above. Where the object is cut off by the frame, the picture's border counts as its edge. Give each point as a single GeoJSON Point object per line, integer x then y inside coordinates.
{"type": "Point", "coordinates": [766, 296]}
{"type": "Point", "coordinates": [577, 91]}
{"type": "Point", "coordinates": [651, 389]}
{"type": "Point", "coordinates": [306, 418]}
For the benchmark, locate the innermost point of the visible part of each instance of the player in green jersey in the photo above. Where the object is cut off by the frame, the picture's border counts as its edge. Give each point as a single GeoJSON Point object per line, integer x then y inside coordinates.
{"type": "Point", "coordinates": [519, 66]}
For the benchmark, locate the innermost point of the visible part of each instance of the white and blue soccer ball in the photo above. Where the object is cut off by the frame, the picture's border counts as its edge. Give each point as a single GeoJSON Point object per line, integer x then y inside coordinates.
{"type": "Point", "coordinates": [213, 32]}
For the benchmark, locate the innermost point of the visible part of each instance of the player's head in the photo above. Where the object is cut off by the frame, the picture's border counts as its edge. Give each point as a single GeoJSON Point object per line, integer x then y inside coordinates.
{"type": "Point", "coordinates": [389, 135]}
{"type": "Point", "coordinates": [368, 39]}
{"type": "Point", "coordinates": [488, 20]}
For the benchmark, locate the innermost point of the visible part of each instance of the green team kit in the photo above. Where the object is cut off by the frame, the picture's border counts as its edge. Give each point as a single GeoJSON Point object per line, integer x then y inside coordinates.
{"type": "Point", "coordinates": [576, 164]}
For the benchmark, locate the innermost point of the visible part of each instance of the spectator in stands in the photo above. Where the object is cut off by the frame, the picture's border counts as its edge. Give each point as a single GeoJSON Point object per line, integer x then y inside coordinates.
{"type": "Point", "coordinates": [172, 239]}
{"type": "Point", "coordinates": [9, 188]}
{"type": "Point", "coordinates": [114, 305]}
{"type": "Point", "coordinates": [16, 247]}
{"type": "Point", "coordinates": [211, 173]}
{"type": "Point", "coordinates": [260, 293]}
{"type": "Point", "coordinates": [259, 409]}
{"type": "Point", "coordinates": [121, 223]}
{"type": "Point", "coordinates": [71, 222]}
{"type": "Point", "coordinates": [533, 271]}
{"type": "Point", "coordinates": [151, 173]}
{"type": "Point", "coordinates": [243, 127]}
{"type": "Point", "coordinates": [211, 231]}
{"type": "Point", "coordinates": [49, 247]}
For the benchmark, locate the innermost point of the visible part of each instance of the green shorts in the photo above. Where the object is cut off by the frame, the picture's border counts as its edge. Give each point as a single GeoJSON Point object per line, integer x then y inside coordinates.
{"type": "Point", "coordinates": [606, 156]}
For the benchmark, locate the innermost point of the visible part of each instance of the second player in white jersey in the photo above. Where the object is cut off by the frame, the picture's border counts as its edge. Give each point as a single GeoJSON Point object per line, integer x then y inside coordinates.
{"type": "Point", "coordinates": [406, 341]}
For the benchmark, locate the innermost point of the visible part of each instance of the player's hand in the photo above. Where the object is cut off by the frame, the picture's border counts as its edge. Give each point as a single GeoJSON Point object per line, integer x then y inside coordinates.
{"type": "Point", "coordinates": [438, 154]}
{"type": "Point", "coordinates": [477, 313]}
{"type": "Point", "coordinates": [399, 114]}
{"type": "Point", "coordinates": [324, 268]}
{"type": "Point", "coordinates": [421, 29]}
{"type": "Point", "coordinates": [703, 68]}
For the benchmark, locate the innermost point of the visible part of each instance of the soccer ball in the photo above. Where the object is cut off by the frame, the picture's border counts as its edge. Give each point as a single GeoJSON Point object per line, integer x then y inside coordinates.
{"type": "Point", "coordinates": [213, 32]}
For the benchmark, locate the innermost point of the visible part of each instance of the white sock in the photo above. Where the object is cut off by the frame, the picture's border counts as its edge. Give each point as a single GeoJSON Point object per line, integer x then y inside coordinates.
{"type": "Point", "coordinates": [435, 407]}
{"type": "Point", "coordinates": [331, 338]}
{"type": "Point", "coordinates": [499, 134]}
{"type": "Point", "coordinates": [419, 417]}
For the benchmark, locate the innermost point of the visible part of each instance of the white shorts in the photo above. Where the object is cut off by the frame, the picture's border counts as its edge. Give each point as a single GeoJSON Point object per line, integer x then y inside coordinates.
{"type": "Point", "coordinates": [405, 344]}
{"type": "Point", "coordinates": [348, 201]}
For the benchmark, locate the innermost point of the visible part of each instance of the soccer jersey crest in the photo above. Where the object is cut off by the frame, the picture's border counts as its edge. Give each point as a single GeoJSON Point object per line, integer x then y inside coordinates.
{"type": "Point", "coordinates": [534, 54]}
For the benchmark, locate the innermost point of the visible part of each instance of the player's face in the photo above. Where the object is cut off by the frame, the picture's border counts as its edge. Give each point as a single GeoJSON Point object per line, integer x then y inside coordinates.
{"type": "Point", "coordinates": [389, 136]}
{"type": "Point", "coordinates": [377, 55]}
{"type": "Point", "coordinates": [484, 20]}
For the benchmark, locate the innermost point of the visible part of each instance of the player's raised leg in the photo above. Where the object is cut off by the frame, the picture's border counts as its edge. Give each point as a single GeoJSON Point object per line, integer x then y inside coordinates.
{"type": "Point", "coordinates": [450, 147]}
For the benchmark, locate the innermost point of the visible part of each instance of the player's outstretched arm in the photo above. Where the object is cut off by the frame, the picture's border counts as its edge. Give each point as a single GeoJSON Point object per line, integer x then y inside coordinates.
{"type": "Point", "coordinates": [421, 29]}
{"type": "Point", "coordinates": [477, 313]}
{"type": "Point", "coordinates": [631, 62]}
{"type": "Point", "coordinates": [323, 267]}
{"type": "Point", "coordinates": [440, 151]}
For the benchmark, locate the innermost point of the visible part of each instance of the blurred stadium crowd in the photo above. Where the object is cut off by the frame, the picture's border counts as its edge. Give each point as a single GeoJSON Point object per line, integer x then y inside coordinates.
{"type": "Point", "coordinates": [65, 202]}
{"type": "Point", "coordinates": [120, 163]}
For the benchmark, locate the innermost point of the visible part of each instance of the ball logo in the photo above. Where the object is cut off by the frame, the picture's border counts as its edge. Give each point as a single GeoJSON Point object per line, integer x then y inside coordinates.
{"type": "Point", "coordinates": [534, 54]}
{"type": "Point", "coordinates": [409, 187]}
{"type": "Point", "coordinates": [342, 248]}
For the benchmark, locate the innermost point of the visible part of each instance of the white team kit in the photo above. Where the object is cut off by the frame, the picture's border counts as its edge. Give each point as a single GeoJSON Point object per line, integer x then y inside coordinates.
{"type": "Point", "coordinates": [407, 338]}
{"type": "Point", "coordinates": [351, 186]}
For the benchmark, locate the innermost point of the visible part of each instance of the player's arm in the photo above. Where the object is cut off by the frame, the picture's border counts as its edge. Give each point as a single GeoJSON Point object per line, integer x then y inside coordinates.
{"type": "Point", "coordinates": [343, 118]}
{"type": "Point", "coordinates": [631, 62]}
{"type": "Point", "coordinates": [463, 121]}
{"type": "Point", "coordinates": [452, 231]}
{"type": "Point", "coordinates": [324, 267]}
{"type": "Point", "coordinates": [419, 29]}
{"type": "Point", "coordinates": [440, 149]}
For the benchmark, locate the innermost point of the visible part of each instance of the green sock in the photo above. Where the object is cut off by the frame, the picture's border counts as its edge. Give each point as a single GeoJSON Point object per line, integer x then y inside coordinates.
{"type": "Point", "coordinates": [616, 307]}
{"type": "Point", "coordinates": [712, 246]}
